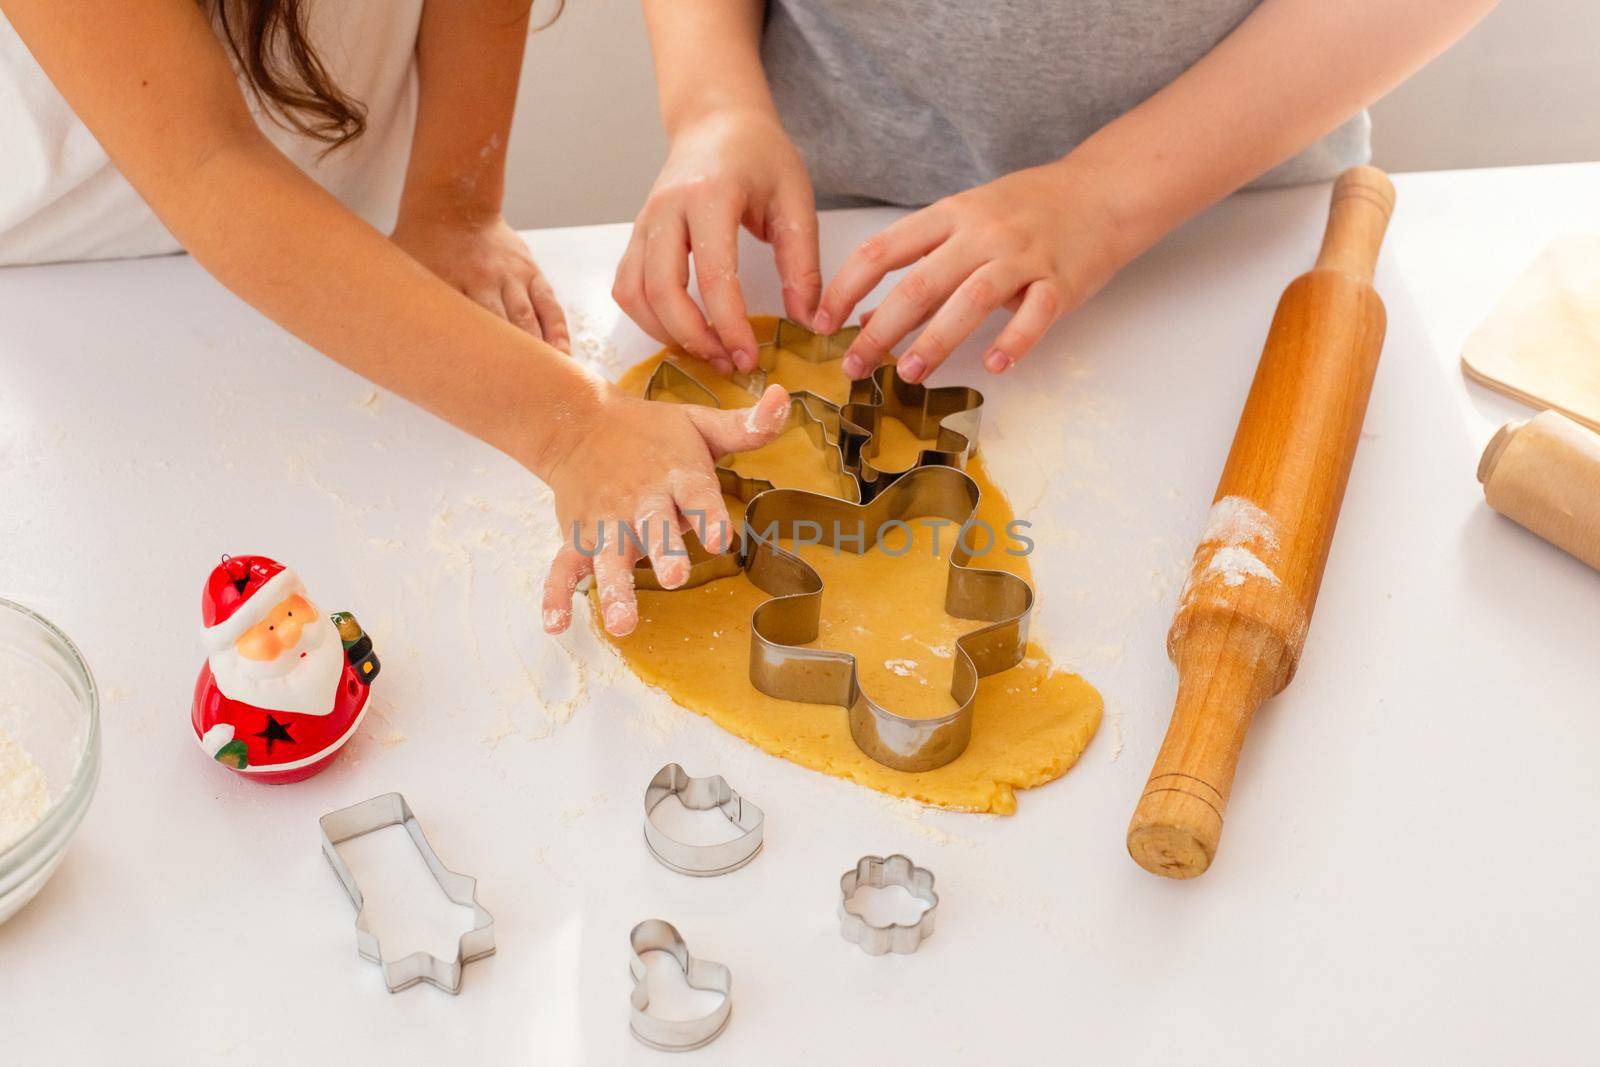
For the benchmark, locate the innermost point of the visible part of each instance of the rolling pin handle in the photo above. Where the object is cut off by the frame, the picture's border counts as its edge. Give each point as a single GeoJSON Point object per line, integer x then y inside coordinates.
{"type": "Point", "coordinates": [1363, 200]}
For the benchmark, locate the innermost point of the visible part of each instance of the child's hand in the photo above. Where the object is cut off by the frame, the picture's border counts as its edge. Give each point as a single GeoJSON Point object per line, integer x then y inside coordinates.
{"type": "Point", "coordinates": [490, 263]}
{"type": "Point", "coordinates": [647, 467]}
{"type": "Point", "coordinates": [728, 168]}
{"type": "Point", "coordinates": [1038, 241]}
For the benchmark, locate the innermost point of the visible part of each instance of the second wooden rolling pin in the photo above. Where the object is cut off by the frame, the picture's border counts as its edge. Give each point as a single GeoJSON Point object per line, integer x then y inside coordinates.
{"type": "Point", "coordinates": [1544, 473]}
{"type": "Point", "coordinates": [1242, 617]}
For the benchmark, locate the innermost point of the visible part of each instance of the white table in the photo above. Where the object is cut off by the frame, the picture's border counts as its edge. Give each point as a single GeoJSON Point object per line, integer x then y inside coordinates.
{"type": "Point", "coordinates": [1409, 867]}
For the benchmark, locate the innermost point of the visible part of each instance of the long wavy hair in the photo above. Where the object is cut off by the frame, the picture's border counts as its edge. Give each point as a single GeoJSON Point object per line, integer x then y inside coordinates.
{"type": "Point", "coordinates": [271, 45]}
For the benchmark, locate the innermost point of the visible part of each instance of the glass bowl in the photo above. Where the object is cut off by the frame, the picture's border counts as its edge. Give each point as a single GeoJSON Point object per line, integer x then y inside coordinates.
{"type": "Point", "coordinates": [50, 708]}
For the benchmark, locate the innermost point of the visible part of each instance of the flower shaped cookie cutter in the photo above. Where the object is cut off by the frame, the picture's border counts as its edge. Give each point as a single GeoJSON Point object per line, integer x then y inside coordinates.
{"type": "Point", "coordinates": [880, 872]}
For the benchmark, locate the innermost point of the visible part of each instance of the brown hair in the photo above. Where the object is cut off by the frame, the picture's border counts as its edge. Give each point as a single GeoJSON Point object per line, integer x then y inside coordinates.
{"type": "Point", "coordinates": [271, 46]}
{"type": "Point", "coordinates": [269, 43]}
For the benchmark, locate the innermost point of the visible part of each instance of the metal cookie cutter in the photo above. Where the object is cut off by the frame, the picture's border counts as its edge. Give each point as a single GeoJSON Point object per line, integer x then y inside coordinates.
{"type": "Point", "coordinates": [702, 794]}
{"type": "Point", "coordinates": [675, 1035]}
{"type": "Point", "coordinates": [949, 415]}
{"type": "Point", "coordinates": [880, 872]}
{"type": "Point", "coordinates": [935, 488]}
{"type": "Point", "coordinates": [818, 417]}
{"type": "Point", "coordinates": [781, 664]}
{"type": "Point", "coordinates": [380, 812]}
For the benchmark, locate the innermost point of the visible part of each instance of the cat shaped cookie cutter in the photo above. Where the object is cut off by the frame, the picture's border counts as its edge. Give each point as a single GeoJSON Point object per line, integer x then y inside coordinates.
{"type": "Point", "coordinates": [702, 794]}
{"type": "Point", "coordinates": [782, 663]}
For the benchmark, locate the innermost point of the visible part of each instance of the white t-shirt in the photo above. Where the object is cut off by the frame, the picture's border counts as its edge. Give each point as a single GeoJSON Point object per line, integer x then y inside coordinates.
{"type": "Point", "coordinates": [61, 198]}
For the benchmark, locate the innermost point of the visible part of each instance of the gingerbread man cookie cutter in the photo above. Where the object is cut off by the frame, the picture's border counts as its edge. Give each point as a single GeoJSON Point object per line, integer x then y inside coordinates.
{"type": "Point", "coordinates": [379, 813]}
{"type": "Point", "coordinates": [781, 663]}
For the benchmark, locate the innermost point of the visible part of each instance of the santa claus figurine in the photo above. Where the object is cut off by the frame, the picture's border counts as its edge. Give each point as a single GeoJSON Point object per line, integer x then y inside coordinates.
{"type": "Point", "coordinates": [284, 687]}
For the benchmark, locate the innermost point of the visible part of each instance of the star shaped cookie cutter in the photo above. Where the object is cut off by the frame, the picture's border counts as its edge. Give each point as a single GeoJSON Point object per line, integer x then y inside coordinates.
{"type": "Point", "coordinates": [379, 813]}
{"type": "Point", "coordinates": [781, 664]}
{"type": "Point", "coordinates": [675, 1035]}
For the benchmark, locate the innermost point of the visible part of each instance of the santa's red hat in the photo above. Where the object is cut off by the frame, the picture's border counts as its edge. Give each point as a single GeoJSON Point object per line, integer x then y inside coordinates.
{"type": "Point", "coordinates": [240, 592]}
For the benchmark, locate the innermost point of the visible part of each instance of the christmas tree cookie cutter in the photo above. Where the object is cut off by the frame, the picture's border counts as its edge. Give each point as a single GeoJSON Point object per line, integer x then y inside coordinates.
{"type": "Point", "coordinates": [701, 794]}
{"type": "Point", "coordinates": [880, 872]}
{"type": "Point", "coordinates": [379, 813]}
{"type": "Point", "coordinates": [675, 1035]}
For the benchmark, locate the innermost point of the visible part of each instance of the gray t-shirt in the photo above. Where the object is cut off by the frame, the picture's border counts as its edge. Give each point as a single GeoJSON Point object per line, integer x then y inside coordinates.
{"type": "Point", "coordinates": [906, 101]}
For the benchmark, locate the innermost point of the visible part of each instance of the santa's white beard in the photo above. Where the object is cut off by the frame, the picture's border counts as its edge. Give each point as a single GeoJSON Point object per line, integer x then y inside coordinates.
{"type": "Point", "coordinates": [303, 679]}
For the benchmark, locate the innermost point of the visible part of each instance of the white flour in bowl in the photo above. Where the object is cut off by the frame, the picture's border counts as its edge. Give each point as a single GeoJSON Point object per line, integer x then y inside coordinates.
{"type": "Point", "coordinates": [23, 796]}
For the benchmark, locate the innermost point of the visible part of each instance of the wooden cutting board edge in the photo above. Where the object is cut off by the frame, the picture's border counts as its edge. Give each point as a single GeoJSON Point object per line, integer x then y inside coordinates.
{"type": "Point", "coordinates": [1538, 403]}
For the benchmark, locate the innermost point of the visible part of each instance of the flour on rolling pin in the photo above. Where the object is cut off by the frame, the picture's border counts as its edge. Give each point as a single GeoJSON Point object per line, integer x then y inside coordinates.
{"type": "Point", "coordinates": [1236, 531]}
{"type": "Point", "coordinates": [1544, 473]}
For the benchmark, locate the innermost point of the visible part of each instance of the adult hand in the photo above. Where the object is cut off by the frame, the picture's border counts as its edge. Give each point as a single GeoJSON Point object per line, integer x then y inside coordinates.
{"type": "Point", "coordinates": [728, 169]}
{"type": "Point", "coordinates": [491, 264]}
{"type": "Point", "coordinates": [1039, 241]}
{"type": "Point", "coordinates": [639, 473]}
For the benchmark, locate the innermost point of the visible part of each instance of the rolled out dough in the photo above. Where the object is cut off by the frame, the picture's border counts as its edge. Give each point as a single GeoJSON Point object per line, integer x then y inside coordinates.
{"type": "Point", "coordinates": [1031, 723]}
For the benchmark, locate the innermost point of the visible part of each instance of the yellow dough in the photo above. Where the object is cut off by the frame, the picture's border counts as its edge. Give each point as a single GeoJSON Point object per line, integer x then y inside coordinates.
{"type": "Point", "coordinates": [887, 608]}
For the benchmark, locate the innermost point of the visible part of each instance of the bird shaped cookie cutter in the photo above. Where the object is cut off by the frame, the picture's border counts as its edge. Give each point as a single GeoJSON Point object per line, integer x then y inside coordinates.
{"type": "Point", "coordinates": [381, 812]}
{"type": "Point", "coordinates": [782, 663]}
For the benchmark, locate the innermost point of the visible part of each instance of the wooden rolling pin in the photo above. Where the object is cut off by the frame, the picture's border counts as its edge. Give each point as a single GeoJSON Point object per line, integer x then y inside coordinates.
{"type": "Point", "coordinates": [1242, 617]}
{"type": "Point", "coordinates": [1544, 473]}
